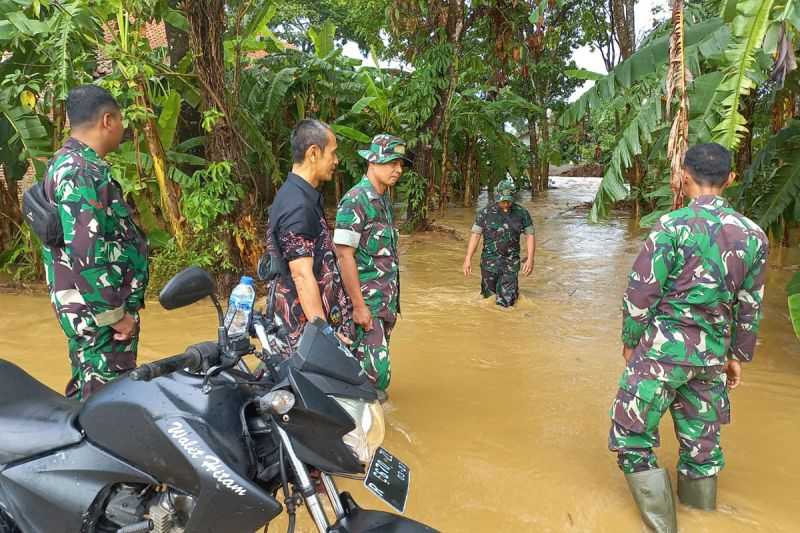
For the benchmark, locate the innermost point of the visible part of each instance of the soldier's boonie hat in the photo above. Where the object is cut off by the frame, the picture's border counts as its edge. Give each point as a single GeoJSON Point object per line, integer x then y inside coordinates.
{"type": "Point", "coordinates": [504, 191]}
{"type": "Point", "coordinates": [385, 148]}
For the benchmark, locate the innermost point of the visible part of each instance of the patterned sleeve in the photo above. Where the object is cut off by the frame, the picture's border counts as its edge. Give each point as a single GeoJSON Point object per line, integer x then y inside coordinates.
{"type": "Point", "coordinates": [350, 221]}
{"type": "Point", "coordinates": [97, 276]}
{"type": "Point", "coordinates": [747, 313]}
{"type": "Point", "coordinates": [646, 283]}
{"type": "Point", "coordinates": [294, 245]}
{"type": "Point", "coordinates": [480, 222]}
{"type": "Point", "coordinates": [527, 223]}
{"type": "Point", "coordinates": [297, 233]}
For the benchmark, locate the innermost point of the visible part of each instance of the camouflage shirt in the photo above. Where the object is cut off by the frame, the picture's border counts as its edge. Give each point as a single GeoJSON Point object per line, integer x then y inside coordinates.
{"type": "Point", "coordinates": [694, 295]}
{"type": "Point", "coordinates": [501, 232]}
{"type": "Point", "coordinates": [365, 222]}
{"type": "Point", "coordinates": [101, 271]}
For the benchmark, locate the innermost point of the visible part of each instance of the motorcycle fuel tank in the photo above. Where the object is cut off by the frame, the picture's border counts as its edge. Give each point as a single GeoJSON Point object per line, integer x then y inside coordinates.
{"type": "Point", "coordinates": [188, 439]}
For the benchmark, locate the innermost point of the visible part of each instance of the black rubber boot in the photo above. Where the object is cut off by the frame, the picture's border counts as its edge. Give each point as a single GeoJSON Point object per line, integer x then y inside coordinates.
{"type": "Point", "coordinates": [698, 493]}
{"type": "Point", "coordinates": [652, 492]}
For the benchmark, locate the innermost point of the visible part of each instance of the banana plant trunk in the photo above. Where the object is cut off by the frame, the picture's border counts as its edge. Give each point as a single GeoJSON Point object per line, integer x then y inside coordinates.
{"type": "Point", "coordinates": [169, 192]}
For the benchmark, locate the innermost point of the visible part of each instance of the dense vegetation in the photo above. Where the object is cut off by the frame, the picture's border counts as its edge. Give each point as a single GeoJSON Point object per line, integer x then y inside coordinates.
{"type": "Point", "coordinates": [479, 89]}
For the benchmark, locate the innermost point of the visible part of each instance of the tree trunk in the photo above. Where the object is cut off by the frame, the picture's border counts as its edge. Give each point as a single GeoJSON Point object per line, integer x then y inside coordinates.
{"type": "Point", "coordinates": [206, 30]}
{"type": "Point", "coordinates": [10, 212]}
{"type": "Point", "coordinates": [424, 166]}
{"type": "Point", "coordinates": [636, 176]}
{"type": "Point", "coordinates": [533, 159]}
{"type": "Point", "coordinates": [59, 120]}
{"type": "Point", "coordinates": [468, 192]}
{"type": "Point", "coordinates": [544, 162]}
{"type": "Point", "coordinates": [177, 47]}
{"type": "Point", "coordinates": [745, 154]}
{"type": "Point", "coordinates": [177, 40]}
{"type": "Point", "coordinates": [622, 17]}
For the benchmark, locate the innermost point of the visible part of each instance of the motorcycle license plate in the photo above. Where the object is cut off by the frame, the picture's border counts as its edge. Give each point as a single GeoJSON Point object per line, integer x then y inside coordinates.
{"type": "Point", "coordinates": [388, 479]}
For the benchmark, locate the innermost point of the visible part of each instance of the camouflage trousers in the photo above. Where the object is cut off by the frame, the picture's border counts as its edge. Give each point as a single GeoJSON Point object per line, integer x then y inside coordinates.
{"type": "Point", "coordinates": [372, 349]}
{"type": "Point", "coordinates": [504, 285]}
{"type": "Point", "coordinates": [97, 358]}
{"type": "Point", "coordinates": [696, 397]}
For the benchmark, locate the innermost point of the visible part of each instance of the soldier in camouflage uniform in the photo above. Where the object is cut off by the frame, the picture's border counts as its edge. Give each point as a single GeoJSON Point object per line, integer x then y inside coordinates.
{"type": "Point", "coordinates": [690, 316]}
{"type": "Point", "coordinates": [366, 245]}
{"type": "Point", "coordinates": [97, 279]}
{"type": "Point", "coordinates": [501, 225]}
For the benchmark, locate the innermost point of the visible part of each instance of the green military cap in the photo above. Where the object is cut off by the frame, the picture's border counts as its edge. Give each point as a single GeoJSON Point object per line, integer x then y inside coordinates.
{"type": "Point", "coordinates": [504, 191]}
{"type": "Point", "coordinates": [384, 149]}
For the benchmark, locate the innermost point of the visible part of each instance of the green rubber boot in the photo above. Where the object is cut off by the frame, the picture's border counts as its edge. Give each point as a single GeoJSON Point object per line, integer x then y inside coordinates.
{"type": "Point", "coordinates": [698, 493]}
{"type": "Point", "coordinates": [652, 492]}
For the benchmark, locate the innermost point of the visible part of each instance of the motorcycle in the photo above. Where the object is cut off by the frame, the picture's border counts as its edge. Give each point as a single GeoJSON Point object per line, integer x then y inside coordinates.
{"type": "Point", "coordinates": [199, 443]}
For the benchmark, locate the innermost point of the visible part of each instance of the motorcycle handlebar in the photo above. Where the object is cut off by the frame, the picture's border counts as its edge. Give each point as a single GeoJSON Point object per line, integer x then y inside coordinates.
{"type": "Point", "coordinates": [194, 357]}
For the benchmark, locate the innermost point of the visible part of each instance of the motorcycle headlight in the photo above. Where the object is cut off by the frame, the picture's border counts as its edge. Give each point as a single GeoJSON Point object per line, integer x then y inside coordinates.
{"type": "Point", "coordinates": [370, 429]}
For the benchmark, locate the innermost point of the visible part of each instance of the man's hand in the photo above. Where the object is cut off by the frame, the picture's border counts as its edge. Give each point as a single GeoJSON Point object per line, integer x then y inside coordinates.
{"type": "Point", "coordinates": [363, 317]}
{"type": "Point", "coordinates": [467, 267]}
{"type": "Point", "coordinates": [627, 353]}
{"type": "Point", "coordinates": [125, 328]}
{"type": "Point", "coordinates": [733, 369]}
{"type": "Point", "coordinates": [527, 268]}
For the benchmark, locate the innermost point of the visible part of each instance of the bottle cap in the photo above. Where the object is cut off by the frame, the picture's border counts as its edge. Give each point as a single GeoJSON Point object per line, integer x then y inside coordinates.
{"type": "Point", "coordinates": [247, 280]}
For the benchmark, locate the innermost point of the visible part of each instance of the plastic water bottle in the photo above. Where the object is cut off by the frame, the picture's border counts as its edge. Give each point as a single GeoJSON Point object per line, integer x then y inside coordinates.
{"type": "Point", "coordinates": [240, 307]}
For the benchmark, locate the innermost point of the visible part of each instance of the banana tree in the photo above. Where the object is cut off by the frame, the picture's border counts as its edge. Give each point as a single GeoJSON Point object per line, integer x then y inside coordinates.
{"type": "Point", "coordinates": [133, 75]}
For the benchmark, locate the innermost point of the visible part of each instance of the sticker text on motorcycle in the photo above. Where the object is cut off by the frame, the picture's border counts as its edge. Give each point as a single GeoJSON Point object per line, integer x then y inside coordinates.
{"type": "Point", "coordinates": [208, 462]}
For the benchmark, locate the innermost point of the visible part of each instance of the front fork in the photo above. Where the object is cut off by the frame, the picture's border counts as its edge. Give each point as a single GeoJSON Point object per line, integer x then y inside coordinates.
{"type": "Point", "coordinates": [310, 496]}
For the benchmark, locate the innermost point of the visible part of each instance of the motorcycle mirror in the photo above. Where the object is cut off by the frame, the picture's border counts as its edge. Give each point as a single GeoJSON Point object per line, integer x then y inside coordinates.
{"type": "Point", "coordinates": [186, 287]}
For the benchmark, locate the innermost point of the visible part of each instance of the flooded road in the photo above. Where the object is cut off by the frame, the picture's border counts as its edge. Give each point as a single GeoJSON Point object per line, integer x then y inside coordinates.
{"type": "Point", "coordinates": [502, 414]}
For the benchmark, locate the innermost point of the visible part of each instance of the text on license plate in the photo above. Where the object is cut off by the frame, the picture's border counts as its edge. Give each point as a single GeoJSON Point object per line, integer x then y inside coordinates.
{"type": "Point", "coordinates": [388, 479]}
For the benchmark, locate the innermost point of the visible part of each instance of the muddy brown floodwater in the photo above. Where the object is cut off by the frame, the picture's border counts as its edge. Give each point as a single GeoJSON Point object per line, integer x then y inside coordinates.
{"type": "Point", "coordinates": [502, 414]}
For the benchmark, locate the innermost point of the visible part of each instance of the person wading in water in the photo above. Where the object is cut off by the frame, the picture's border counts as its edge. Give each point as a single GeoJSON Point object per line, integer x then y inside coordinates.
{"type": "Point", "coordinates": [690, 318]}
{"type": "Point", "coordinates": [366, 244]}
{"type": "Point", "coordinates": [98, 277]}
{"type": "Point", "coordinates": [299, 236]}
{"type": "Point", "coordinates": [501, 225]}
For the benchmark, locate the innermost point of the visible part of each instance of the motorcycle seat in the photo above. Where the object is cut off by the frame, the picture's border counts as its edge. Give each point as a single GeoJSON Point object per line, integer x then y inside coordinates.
{"type": "Point", "coordinates": [33, 418]}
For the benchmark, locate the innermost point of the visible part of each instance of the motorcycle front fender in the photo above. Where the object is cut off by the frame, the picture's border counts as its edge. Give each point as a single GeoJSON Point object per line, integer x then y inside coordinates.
{"type": "Point", "coordinates": [358, 520]}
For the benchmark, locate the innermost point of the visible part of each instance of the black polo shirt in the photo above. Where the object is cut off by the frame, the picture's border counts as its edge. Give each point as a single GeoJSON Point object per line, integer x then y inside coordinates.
{"type": "Point", "coordinates": [297, 208]}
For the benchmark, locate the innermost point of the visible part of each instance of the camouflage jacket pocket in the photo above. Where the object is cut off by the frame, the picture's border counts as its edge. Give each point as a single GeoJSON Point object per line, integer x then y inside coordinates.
{"type": "Point", "coordinates": [640, 401]}
{"type": "Point", "coordinates": [381, 241]}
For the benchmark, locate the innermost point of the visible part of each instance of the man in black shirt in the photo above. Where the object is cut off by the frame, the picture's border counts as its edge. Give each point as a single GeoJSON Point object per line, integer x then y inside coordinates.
{"type": "Point", "coordinates": [299, 234]}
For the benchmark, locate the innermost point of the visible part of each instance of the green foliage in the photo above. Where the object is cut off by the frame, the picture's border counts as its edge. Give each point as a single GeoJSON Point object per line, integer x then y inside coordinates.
{"type": "Point", "coordinates": [205, 249]}
{"type": "Point", "coordinates": [208, 194]}
{"type": "Point", "coordinates": [210, 118]}
{"type": "Point", "coordinates": [793, 297]}
{"type": "Point", "coordinates": [638, 133]}
{"type": "Point", "coordinates": [649, 61]}
{"type": "Point", "coordinates": [749, 28]}
{"type": "Point", "coordinates": [22, 261]}
{"type": "Point", "coordinates": [168, 120]}
{"type": "Point", "coordinates": [22, 139]}
{"type": "Point", "coordinates": [413, 188]}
